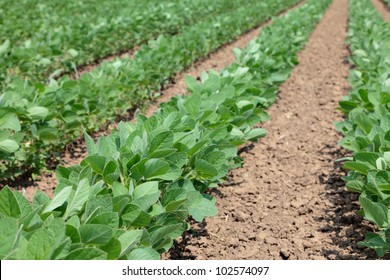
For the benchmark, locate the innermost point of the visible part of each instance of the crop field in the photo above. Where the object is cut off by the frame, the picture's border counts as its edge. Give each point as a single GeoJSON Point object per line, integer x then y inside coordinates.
{"type": "Point", "coordinates": [226, 129]}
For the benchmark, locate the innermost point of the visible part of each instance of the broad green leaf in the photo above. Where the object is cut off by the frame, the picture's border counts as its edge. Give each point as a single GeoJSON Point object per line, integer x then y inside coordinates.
{"type": "Point", "coordinates": [78, 199]}
{"type": "Point", "coordinates": [40, 199]}
{"type": "Point", "coordinates": [113, 249]}
{"type": "Point", "coordinates": [134, 216]}
{"type": "Point", "coordinates": [37, 113]}
{"type": "Point", "coordinates": [163, 140]}
{"type": "Point", "coordinates": [87, 253]}
{"type": "Point", "coordinates": [44, 240]}
{"type": "Point", "coordinates": [9, 235]}
{"type": "Point", "coordinates": [205, 169]}
{"type": "Point", "coordinates": [4, 47]}
{"type": "Point", "coordinates": [9, 206]}
{"type": "Point", "coordinates": [129, 240]}
{"type": "Point", "coordinates": [58, 199]}
{"type": "Point", "coordinates": [146, 194]}
{"type": "Point", "coordinates": [381, 164]}
{"type": "Point", "coordinates": [255, 134]}
{"type": "Point", "coordinates": [201, 206]}
{"type": "Point", "coordinates": [357, 166]}
{"type": "Point", "coordinates": [73, 233]}
{"type": "Point", "coordinates": [367, 158]}
{"type": "Point", "coordinates": [8, 146]}
{"type": "Point", "coordinates": [97, 163]}
{"type": "Point", "coordinates": [24, 205]}
{"type": "Point", "coordinates": [143, 253]}
{"type": "Point", "coordinates": [380, 242]}
{"type": "Point", "coordinates": [160, 236]}
{"type": "Point", "coordinates": [9, 120]}
{"type": "Point", "coordinates": [91, 147]}
{"type": "Point", "coordinates": [192, 84]}
{"type": "Point", "coordinates": [95, 234]}
{"type": "Point", "coordinates": [374, 211]}
{"type": "Point", "coordinates": [154, 168]}
{"type": "Point", "coordinates": [110, 219]}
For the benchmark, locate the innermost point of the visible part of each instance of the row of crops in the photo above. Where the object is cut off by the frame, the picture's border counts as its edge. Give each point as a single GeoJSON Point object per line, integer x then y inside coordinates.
{"type": "Point", "coordinates": [367, 127]}
{"type": "Point", "coordinates": [36, 117]}
{"type": "Point", "coordinates": [132, 195]}
{"type": "Point", "coordinates": [56, 36]}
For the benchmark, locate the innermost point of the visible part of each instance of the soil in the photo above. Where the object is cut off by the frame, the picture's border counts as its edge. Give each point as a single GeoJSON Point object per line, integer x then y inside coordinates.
{"type": "Point", "coordinates": [383, 8]}
{"type": "Point", "coordinates": [76, 151]}
{"type": "Point", "coordinates": [287, 201]}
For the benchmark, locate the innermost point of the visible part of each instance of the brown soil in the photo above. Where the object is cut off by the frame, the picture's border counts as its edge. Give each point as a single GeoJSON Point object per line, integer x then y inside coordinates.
{"type": "Point", "coordinates": [287, 201]}
{"type": "Point", "coordinates": [76, 151]}
{"type": "Point", "coordinates": [382, 8]}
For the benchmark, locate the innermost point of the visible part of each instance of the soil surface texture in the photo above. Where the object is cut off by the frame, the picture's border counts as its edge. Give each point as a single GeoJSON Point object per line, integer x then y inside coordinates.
{"type": "Point", "coordinates": [76, 151]}
{"type": "Point", "coordinates": [287, 201]}
{"type": "Point", "coordinates": [382, 8]}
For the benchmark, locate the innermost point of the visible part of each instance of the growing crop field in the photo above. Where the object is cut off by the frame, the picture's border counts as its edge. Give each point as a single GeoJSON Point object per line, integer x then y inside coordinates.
{"type": "Point", "coordinates": [227, 129]}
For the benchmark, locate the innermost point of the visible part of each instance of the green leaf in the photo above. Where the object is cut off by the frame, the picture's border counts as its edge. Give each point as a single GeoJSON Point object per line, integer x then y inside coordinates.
{"type": "Point", "coordinates": [374, 211]}
{"type": "Point", "coordinates": [201, 206]}
{"type": "Point", "coordinates": [192, 84]}
{"type": "Point", "coordinates": [154, 168]}
{"type": "Point", "coordinates": [9, 206]}
{"type": "Point", "coordinates": [205, 169]}
{"type": "Point", "coordinates": [59, 199]}
{"type": "Point", "coordinates": [73, 52]}
{"type": "Point", "coordinates": [95, 234]}
{"type": "Point", "coordinates": [9, 146]}
{"type": "Point", "coordinates": [146, 194]}
{"type": "Point", "coordinates": [357, 166]}
{"type": "Point", "coordinates": [255, 134]}
{"type": "Point", "coordinates": [110, 219]}
{"type": "Point", "coordinates": [79, 198]}
{"type": "Point", "coordinates": [91, 147]}
{"type": "Point", "coordinates": [163, 140]}
{"type": "Point", "coordinates": [97, 163]}
{"type": "Point", "coordinates": [88, 253]}
{"type": "Point", "coordinates": [381, 164]}
{"type": "Point", "coordinates": [143, 253]}
{"type": "Point", "coordinates": [4, 47]}
{"type": "Point", "coordinates": [48, 134]}
{"type": "Point", "coordinates": [40, 199]}
{"type": "Point", "coordinates": [44, 240]}
{"type": "Point", "coordinates": [9, 120]}
{"type": "Point", "coordinates": [161, 236]}
{"type": "Point", "coordinates": [380, 242]}
{"type": "Point", "coordinates": [37, 113]}
{"type": "Point", "coordinates": [9, 235]}
{"type": "Point", "coordinates": [113, 249]}
{"type": "Point", "coordinates": [129, 240]}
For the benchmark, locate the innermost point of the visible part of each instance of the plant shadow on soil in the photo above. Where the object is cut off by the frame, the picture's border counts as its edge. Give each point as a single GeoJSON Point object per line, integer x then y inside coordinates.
{"type": "Point", "coordinates": [345, 226]}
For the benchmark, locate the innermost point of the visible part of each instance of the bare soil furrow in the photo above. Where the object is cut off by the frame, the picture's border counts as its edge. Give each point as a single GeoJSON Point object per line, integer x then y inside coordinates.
{"type": "Point", "coordinates": [76, 151]}
{"type": "Point", "coordinates": [287, 201]}
{"type": "Point", "coordinates": [382, 8]}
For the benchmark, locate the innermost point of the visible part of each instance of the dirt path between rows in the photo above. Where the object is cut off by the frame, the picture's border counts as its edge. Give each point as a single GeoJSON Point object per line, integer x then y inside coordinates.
{"type": "Point", "coordinates": [75, 152]}
{"type": "Point", "coordinates": [287, 201]}
{"type": "Point", "coordinates": [382, 8]}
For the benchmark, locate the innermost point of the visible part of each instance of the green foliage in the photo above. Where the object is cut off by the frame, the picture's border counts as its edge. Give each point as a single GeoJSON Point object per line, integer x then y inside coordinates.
{"type": "Point", "coordinates": [133, 193]}
{"type": "Point", "coordinates": [36, 118]}
{"type": "Point", "coordinates": [367, 127]}
{"type": "Point", "coordinates": [55, 36]}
